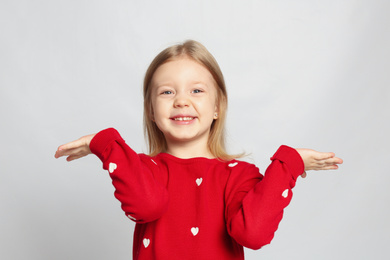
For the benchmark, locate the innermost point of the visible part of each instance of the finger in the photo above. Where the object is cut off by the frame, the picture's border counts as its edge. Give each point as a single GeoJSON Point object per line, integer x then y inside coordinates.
{"type": "Point", "coordinates": [75, 157]}
{"type": "Point", "coordinates": [303, 175]}
{"type": "Point", "coordinates": [71, 145]}
{"type": "Point", "coordinates": [59, 153]}
{"type": "Point", "coordinates": [339, 160]}
{"type": "Point", "coordinates": [76, 154]}
{"type": "Point", "coordinates": [324, 156]}
{"type": "Point", "coordinates": [328, 167]}
{"type": "Point", "coordinates": [332, 161]}
{"type": "Point", "coordinates": [66, 152]}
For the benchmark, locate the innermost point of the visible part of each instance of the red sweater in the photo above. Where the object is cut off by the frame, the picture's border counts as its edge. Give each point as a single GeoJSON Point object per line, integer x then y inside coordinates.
{"type": "Point", "coordinates": [197, 208]}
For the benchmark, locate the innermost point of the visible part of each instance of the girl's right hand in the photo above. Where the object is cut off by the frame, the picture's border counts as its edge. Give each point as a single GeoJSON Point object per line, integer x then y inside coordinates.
{"type": "Point", "coordinates": [76, 149]}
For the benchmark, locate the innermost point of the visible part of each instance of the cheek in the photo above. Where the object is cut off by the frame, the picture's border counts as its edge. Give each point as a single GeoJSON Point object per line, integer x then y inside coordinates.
{"type": "Point", "coordinates": [159, 111]}
{"type": "Point", "coordinates": [154, 104]}
{"type": "Point", "coordinates": [209, 108]}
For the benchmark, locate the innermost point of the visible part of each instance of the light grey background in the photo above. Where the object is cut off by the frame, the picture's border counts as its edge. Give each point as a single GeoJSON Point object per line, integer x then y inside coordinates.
{"type": "Point", "coordinates": [303, 73]}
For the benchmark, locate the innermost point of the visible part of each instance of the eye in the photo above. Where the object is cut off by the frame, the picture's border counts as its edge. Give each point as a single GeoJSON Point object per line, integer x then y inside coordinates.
{"type": "Point", "coordinates": [166, 92]}
{"type": "Point", "coordinates": [197, 91]}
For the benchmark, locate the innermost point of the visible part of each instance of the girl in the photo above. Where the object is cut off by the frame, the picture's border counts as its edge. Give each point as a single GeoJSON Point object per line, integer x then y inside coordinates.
{"type": "Point", "coordinates": [189, 198]}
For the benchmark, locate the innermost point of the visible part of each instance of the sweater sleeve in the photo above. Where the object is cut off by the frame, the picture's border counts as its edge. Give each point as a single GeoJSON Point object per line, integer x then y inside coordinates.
{"type": "Point", "coordinates": [143, 199]}
{"type": "Point", "coordinates": [255, 203]}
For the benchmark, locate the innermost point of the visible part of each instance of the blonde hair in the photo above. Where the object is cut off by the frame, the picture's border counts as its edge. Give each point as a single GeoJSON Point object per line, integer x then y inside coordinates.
{"type": "Point", "coordinates": [196, 51]}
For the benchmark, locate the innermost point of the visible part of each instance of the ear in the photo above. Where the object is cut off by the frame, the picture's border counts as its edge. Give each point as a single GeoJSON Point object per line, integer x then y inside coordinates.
{"type": "Point", "coordinates": [216, 112]}
{"type": "Point", "coordinates": [151, 113]}
{"type": "Point", "coordinates": [152, 116]}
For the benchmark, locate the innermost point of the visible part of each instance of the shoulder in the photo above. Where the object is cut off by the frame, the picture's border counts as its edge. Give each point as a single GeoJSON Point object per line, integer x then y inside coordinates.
{"type": "Point", "coordinates": [242, 169]}
{"type": "Point", "coordinates": [242, 176]}
{"type": "Point", "coordinates": [238, 164]}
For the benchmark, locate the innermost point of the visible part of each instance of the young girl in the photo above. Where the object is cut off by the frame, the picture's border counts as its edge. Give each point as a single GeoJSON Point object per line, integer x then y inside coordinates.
{"type": "Point", "coordinates": [189, 198]}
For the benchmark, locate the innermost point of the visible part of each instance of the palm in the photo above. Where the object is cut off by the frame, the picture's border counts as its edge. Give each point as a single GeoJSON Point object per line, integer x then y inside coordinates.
{"type": "Point", "coordinates": [75, 149]}
{"type": "Point", "coordinates": [314, 160]}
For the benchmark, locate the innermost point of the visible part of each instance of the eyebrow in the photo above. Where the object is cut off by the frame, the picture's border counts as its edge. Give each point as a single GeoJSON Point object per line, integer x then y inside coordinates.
{"type": "Point", "coordinates": [199, 82]}
{"type": "Point", "coordinates": [162, 86]}
{"type": "Point", "coordinates": [169, 84]}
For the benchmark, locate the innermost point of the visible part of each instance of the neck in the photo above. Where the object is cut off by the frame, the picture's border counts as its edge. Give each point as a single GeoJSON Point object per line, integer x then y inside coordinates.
{"type": "Point", "coordinates": [186, 150]}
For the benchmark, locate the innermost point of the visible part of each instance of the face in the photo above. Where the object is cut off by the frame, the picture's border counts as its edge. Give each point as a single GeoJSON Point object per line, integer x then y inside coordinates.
{"type": "Point", "coordinates": [184, 101]}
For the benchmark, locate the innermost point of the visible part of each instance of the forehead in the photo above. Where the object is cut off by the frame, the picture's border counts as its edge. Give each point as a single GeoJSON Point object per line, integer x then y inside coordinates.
{"type": "Point", "coordinates": [182, 69]}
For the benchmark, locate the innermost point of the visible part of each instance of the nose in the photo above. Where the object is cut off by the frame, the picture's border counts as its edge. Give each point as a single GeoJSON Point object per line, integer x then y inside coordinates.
{"type": "Point", "coordinates": [181, 100]}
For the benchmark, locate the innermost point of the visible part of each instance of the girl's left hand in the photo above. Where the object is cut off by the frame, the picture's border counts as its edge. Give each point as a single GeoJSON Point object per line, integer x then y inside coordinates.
{"type": "Point", "coordinates": [314, 160]}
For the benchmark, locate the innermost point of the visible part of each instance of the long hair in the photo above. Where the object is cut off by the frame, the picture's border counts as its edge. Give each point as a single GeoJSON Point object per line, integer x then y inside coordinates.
{"type": "Point", "coordinates": [197, 52]}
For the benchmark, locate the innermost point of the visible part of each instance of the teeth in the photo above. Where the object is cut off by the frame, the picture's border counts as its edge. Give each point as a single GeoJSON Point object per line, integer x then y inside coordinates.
{"type": "Point", "coordinates": [183, 118]}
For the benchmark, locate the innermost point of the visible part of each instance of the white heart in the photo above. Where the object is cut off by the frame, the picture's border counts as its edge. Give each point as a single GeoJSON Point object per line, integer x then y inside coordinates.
{"type": "Point", "coordinates": [199, 181]}
{"type": "Point", "coordinates": [112, 167]}
{"type": "Point", "coordinates": [194, 230]}
{"type": "Point", "coordinates": [233, 164]}
{"type": "Point", "coordinates": [131, 217]}
{"type": "Point", "coordinates": [285, 193]}
{"type": "Point", "coordinates": [146, 242]}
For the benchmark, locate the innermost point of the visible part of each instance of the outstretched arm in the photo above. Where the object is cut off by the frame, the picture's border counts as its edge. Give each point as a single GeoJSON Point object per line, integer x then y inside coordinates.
{"type": "Point", "coordinates": [255, 208]}
{"type": "Point", "coordinates": [314, 160]}
{"type": "Point", "coordinates": [143, 198]}
{"type": "Point", "coordinates": [75, 149]}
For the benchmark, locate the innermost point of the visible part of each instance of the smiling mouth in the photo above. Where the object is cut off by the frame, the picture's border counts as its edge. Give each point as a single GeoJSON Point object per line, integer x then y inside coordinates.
{"type": "Point", "coordinates": [185, 118]}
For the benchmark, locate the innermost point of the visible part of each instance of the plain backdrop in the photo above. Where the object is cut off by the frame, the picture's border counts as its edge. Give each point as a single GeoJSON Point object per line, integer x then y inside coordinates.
{"type": "Point", "coordinates": [304, 73]}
